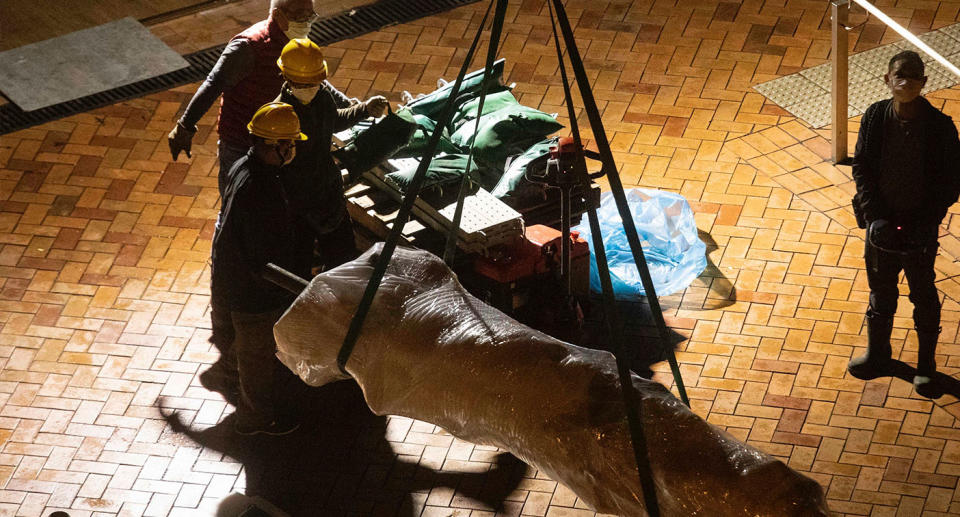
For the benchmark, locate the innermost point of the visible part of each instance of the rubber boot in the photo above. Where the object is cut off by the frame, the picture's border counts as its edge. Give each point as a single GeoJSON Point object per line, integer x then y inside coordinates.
{"type": "Point", "coordinates": [876, 361]}
{"type": "Point", "coordinates": [923, 381]}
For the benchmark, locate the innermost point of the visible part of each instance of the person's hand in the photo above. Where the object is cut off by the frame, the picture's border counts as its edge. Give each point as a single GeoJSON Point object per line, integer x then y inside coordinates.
{"type": "Point", "coordinates": [376, 105]}
{"type": "Point", "coordinates": [180, 139]}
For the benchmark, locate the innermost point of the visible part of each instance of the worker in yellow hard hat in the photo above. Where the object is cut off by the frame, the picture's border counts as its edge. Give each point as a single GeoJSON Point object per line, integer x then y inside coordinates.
{"type": "Point", "coordinates": [316, 184]}
{"type": "Point", "coordinates": [246, 77]}
{"type": "Point", "coordinates": [258, 226]}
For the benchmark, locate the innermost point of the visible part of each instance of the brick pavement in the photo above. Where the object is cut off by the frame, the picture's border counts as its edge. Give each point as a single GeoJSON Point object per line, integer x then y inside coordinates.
{"type": "Point", "coordinates": [104, 298]}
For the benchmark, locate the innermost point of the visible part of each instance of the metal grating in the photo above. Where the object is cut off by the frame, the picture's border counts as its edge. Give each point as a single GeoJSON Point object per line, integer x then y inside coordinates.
{"type": "Point", "coordinates": [346, 25]}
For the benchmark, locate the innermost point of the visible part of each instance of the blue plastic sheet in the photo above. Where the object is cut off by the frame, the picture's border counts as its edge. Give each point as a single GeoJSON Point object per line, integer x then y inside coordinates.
{"type": "Point", "coordinates": [668, 235]}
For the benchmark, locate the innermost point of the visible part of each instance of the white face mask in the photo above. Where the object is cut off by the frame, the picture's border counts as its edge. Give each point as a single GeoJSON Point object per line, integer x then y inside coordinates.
{"type": "Point", "coordinates": [305, 95]}
{"type": "Point", "coordinates": [298, 29]}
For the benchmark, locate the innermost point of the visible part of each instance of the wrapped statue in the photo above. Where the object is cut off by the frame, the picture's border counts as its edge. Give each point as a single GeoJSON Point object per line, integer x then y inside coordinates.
{"type": "Point", "coordinates": [431, 351]}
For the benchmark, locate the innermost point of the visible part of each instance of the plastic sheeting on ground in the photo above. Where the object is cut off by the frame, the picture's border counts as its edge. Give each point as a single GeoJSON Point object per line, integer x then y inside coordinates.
{"type": "Point", "coordinates": [431, 351]}
{"type": "Point", "coordinates": [673, 250]}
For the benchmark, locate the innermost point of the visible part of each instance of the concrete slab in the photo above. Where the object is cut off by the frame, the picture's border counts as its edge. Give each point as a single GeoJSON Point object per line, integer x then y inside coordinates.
{"type": "Point", "coordinates": [83, 63]}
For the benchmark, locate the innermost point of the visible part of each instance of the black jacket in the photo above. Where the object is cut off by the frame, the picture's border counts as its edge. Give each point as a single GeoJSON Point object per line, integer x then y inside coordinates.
{"type": "Point", "coordinates": [312, 178]}
{"type": "Point", "coordinates": [941, 174]}
{"type": "Point", "coordinates": [258, 226]}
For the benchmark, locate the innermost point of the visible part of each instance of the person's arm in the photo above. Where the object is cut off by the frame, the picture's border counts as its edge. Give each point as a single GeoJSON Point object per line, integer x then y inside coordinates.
{"type": "Point", "coordinates": [340, 100]}
{"type": "Point", "coordinates": [234, 64]}
{"type": "Point", "coordinates": [375, 107]}
{"type": "Point", "coordinates": [867, 188]}
{"type": "Point", "coordinates": [347, 117]}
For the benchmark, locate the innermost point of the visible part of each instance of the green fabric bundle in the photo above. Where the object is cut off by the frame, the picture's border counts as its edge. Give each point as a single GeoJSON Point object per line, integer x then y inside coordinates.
{"type": "Point", "coordinates": [418, 142]}
{"type": "Point", "coordinates": [432, 104]}
{"type": "Point", "coordinates": [513, 186]}
{"type": "Point", "coordinates": [378, 142]}
{"type": "Point", "coordinates": [443, 170]}
{"type": "Point", "coordinates": [505, 132]}
{"type": "Point", "coordinates": [493, 102]}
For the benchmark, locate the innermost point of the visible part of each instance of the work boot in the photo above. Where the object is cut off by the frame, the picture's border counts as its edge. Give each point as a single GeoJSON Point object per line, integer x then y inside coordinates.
{"type": "Point", "coordinates": [876, 362]}
{"type": "Point", "coordinates": [924, 381]}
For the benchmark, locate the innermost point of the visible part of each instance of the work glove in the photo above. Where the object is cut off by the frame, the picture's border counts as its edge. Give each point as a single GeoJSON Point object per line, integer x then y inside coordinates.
{"type": "Point", "coordinates": [180, 139]}
{"type": "Point", "coordinates": [376, 105]}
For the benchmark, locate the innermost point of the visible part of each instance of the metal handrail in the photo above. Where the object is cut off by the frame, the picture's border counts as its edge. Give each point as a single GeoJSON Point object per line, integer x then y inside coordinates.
{"type": "Point", "coordinates": [839, 11]}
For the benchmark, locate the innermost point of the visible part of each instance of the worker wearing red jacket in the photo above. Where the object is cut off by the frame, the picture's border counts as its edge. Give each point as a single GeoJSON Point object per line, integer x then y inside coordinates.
{"type": "Point", "coordinates": [247, 77]}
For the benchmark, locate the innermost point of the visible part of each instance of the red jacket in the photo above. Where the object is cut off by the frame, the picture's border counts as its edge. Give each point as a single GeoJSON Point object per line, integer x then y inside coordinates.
{"type": "Point", "coordinates": [261, 86]}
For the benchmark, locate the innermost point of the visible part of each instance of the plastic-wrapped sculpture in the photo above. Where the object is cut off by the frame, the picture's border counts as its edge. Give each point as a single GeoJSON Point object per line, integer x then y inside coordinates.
{"type": "Point", "coordinates": [431, 351]}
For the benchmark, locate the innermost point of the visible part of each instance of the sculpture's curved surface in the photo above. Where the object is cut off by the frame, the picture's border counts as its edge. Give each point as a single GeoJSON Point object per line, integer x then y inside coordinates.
{"type": "Point", "coordinates": [431, 351]}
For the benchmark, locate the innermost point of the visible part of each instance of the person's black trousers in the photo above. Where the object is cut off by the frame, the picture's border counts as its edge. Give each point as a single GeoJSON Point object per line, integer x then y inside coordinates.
{"type": "Point", "coordinates": [883, 271]}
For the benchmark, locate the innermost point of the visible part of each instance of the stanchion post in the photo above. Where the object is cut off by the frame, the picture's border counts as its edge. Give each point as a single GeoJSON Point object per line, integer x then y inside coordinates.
{"type": "Point", "coordinates": [839, 12]}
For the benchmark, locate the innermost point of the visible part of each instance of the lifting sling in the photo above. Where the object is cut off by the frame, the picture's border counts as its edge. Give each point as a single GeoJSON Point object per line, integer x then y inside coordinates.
{"type": "Point", "coordinates": [611, 320]}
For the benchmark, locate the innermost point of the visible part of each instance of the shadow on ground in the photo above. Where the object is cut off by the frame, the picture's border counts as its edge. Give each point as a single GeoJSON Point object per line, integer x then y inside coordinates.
{"type": "Point", "coordinates": [942, 384]}
{"type": "Point", "coordinates": [642, 341]}
{"type": "Point", "coordinates": [339, 463]}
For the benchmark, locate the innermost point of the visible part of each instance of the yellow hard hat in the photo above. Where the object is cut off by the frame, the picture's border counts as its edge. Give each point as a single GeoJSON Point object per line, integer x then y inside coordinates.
{"type": "Point", "coordinates": [301, 61]}
{"type": "Point", "coordinates": [276, 121]}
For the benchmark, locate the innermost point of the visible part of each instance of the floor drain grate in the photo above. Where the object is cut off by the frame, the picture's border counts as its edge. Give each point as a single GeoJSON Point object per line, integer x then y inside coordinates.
{"type": "Point", "coordinates": [346, 25]}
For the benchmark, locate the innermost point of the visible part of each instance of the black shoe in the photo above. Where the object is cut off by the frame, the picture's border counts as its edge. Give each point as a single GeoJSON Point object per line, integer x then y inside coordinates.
{"type": "Point", "coordinates": [924, 381]}
{"type": "Point", "coordinates": [866, 368]}
{"type": "Point", "coordinates": [927, 386]}
{"type": "Point", "coordinates": [876, 362]}
{"type": "Point", "coordinates": [278, 427]}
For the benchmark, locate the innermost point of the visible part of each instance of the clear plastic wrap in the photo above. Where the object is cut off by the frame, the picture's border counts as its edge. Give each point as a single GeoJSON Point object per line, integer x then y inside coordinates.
{"type": "Point", "coordinates": [431, 351]}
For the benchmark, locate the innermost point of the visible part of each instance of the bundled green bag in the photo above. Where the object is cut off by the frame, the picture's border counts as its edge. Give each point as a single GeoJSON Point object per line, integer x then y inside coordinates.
{"type": "Point", "coordinates": [513, 187]}
{"type": "Point", "coordinates": [432, 104]}
{"type": "Point", "coordinates": [494, 102]}
{"type": "Point", "coordinates": [418, 142]}
{"type": "Point", "coordinates": [377, 142]}
{"type": "Point", "coordinates": [505, 132]}
{"type": "Point", "coordinates": [444, 170]}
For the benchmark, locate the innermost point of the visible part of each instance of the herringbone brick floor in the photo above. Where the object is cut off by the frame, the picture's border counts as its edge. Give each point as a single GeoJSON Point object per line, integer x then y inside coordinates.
{"type": "Point", "coordinates": [104, 296]}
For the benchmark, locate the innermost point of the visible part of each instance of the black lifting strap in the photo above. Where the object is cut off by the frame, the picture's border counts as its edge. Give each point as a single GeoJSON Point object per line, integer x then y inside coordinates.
{"type": "Point", "coordinates": [616, 188]}
{"type": "Point", "coordinates": [612, 327]}
{"type": "Point", "coordinates": [413, 191]}
{"type": "Point", "coordinates": [450, 249]}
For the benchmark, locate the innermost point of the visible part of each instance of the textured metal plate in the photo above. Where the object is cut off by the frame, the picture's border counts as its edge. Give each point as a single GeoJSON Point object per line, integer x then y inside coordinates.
{"type": "Point", "coordinates": [821, 75]}
{"type": "Point", "coordinates": [815, 110]}
{"type": "Point", "coordinates": [789, 90]}
{"type": "Point", "coordinates": [865, 78]}
{"type": "Point", "coordinates": [951, 30]}
{"type": "Point", "coordinates": [938, 41]}
{"type": "Point", "coordinates": [877, 60]}
{"type": "Point", "coordinates": [483, 212]}
{"type": "Point", "coordinates": [938, 78]}
{"type": "Point", "coordinates": [864, 94]}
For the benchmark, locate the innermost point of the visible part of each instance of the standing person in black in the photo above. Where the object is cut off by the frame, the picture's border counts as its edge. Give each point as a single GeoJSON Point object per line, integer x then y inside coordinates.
{"type": "Point", "coordinates": [258, 225]}
{"type": "Point", "coordinates": [905, 168]}
{"type": "Point", "coordinates": [314, 180]}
